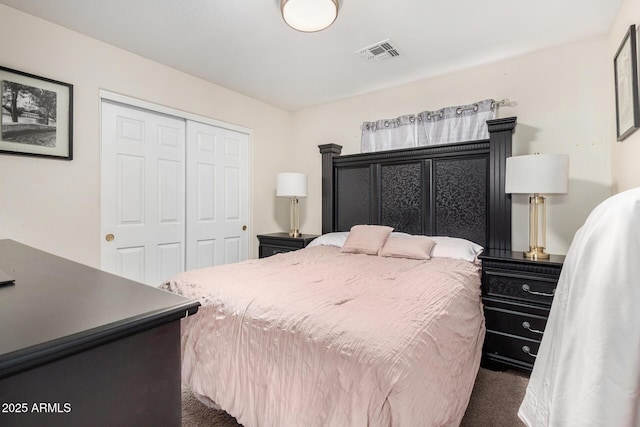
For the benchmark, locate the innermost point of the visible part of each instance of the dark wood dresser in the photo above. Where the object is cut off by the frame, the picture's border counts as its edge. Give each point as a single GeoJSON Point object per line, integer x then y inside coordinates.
{"type": "Point", "coordinates": [517, 294]}
{"type": "Point", "coordinates": [277, 243]}
{"type": "Point", "coordinates": [81, 347]}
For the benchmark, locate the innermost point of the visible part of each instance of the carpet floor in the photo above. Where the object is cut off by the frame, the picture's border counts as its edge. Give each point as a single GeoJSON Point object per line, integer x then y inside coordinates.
{"type": "Point", "coordinates": [494, 402]}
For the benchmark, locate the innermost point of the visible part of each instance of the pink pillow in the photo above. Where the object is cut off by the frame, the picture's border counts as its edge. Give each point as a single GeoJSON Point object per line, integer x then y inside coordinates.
{"type": "Point", "coordinates": [413, 247]}
{"type": "Point", "coordinates": [366, 239]}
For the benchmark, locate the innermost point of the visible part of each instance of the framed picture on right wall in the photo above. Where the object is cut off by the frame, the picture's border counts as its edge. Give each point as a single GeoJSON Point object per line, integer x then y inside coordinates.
{"type": "Point", "coordinates": [625, 65]}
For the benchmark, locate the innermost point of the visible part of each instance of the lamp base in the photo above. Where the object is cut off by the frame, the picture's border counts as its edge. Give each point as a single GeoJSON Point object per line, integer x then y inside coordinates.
{"type": "Point", "coordinates": [537, 228]}
{"type": "Point", "coordinates": [294, 215]}
{"type": "Point", "coordinates": [294, 233]}
{"type": "Point", "coordinates": [536, 253]}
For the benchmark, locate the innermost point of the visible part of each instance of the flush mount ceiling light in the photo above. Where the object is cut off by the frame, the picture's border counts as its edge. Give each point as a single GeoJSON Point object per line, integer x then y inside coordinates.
{"type": "Point", "coordinates": [309, 15]}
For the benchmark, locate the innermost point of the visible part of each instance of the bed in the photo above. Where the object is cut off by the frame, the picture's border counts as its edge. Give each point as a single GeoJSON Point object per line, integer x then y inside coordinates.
{"type": "Point", "coordinates": [337, 334]}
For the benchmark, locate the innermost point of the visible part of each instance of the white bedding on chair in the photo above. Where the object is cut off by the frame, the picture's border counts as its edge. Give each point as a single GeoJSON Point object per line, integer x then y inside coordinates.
{"type": "Point", "coordinates": [317, 337]}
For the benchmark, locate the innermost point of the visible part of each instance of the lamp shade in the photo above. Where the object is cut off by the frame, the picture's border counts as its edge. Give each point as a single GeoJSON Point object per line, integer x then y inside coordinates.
{"type": "Point", "coordinates": [291, 185]}
{"type": "Point", "coordinates": [309, 15]}
{"type": "Point", "coordinates": [537, 174]}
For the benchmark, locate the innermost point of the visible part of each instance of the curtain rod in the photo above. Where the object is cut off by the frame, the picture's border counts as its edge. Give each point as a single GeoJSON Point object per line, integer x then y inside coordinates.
{"type": "Point", "coordinates": [474, 107]}
{"type": "Point", "coordinates": [501, 103]}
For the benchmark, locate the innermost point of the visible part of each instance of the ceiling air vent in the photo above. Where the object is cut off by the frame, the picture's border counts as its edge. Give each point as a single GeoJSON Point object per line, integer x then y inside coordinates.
{"type": "Point", "coordinates": [380, 51]}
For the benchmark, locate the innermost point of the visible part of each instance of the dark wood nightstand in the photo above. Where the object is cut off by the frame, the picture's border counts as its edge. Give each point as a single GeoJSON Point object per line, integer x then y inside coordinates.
{"type": "Point", "coordinates": [277, 243]}
{"type": "Point", "coordinates": [516, 293]}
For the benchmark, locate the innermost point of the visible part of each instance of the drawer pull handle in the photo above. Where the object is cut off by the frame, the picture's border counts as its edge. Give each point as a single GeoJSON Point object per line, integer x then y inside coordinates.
{"type": "Point", "coordinates": [526, 349]}
{"type": "Point", "coordinates": [527, 289]}
{"type": "Point", "coordinates": [527, 326]}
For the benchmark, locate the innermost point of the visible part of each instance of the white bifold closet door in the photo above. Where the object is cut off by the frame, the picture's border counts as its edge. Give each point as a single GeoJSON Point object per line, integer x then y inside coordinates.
{"type": "Point", "coordinates": [174, 194]}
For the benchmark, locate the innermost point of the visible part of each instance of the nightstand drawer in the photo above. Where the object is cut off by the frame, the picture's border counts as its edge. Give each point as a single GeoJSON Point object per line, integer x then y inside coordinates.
{"type": "Point", "coordinates": [278, 243]}
{"type": "Point", "coordinates": [511, 347]}
{"type": "Point", "coordinates": [520, 287]}
{"type": "Point", "coordinates": [512, 322]}
{"type": "Point", "coordinates": [517, 293]}
{"type": "Point", "coordinates": [267, 251]}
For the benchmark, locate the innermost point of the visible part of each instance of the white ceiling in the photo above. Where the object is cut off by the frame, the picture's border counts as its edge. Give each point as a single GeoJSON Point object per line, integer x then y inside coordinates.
{"type": "Point", "coordinates": [244, 45]}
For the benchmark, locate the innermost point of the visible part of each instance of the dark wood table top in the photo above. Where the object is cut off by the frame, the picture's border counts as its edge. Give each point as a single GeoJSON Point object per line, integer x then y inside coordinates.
{"type": "Point", "coordinates": [515, 256]}
{"type": "Point", "coordinates": [58, 307]}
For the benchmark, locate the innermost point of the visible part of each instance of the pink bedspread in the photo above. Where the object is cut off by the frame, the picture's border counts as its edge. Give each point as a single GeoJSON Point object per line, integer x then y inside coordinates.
{"type": "Point", "coordinates": [316, 337]}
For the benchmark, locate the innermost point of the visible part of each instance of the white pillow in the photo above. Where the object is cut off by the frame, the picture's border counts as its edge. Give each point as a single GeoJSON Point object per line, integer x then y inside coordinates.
{"type": "Point", "coordinates": [330, 239]}
{"type": "Point", "coordinates": [337, 239]}
{"type": "Point", "coordinates": [454, 247]}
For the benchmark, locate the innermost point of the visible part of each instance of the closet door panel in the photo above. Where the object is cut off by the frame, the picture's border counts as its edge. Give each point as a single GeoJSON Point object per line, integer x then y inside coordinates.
{"type": "Point", "coordinates": [205, 253]}
{"type": "Point", "coordinates": [142, 193]}
{"type": "Point", "coordinates": [174, 194]}
{"type": "Point", "coordinates": [170, 259]}
{"type": "Point", "coordinates": [205, 193]}
{"type": "Point", "coordinates": [131, 263]}
{"type": "Point", "coordinates": [170, 193]}
{"type": "Point", "coordinates": [130, 190]}
{"type": "Point", "coordinates": [232, 250]}
{"type": "Point", "coordinates": [231, 194]}
{"type": "Point", "coordinates": [217, 201]}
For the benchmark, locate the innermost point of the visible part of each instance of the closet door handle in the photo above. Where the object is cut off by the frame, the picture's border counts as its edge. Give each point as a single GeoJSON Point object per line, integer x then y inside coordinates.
{"type": "Point", "coordinates": [109, 237]}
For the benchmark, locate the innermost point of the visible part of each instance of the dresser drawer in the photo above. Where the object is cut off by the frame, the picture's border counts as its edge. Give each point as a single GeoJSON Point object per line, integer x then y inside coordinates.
{"type": "Point", "coordinates": [527, 325]}
{"type": "Point", "coordinates": [520, 349]}
{"type": "Point", "coordinates": [519, 287]}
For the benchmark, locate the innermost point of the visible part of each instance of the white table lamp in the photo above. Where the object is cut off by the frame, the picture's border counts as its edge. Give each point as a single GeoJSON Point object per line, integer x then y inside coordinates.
{"type": "Point", "coordinates": [294, 186]}
{"type": "Point", "coordinates": [537, 174]}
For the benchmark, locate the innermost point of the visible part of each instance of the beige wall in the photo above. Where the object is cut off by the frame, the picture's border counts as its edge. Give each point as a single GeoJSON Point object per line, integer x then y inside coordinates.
{"type": "Point", "coordinates": [626, 154]}
{"type": "Point", "coordinates": [560, 97]}
{"type": "Point", "coordinates": [53, 204]}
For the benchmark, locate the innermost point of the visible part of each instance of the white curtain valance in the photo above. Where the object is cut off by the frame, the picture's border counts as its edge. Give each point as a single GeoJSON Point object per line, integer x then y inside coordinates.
{"type": "Point", "coordinates": [389, 134]}
{"type": "Point", "coordinates": [447, 125]}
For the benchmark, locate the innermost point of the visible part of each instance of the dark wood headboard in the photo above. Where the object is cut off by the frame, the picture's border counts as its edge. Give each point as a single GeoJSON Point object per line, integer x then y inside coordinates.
{"type": "Point", "coordinates": [452, 190]}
